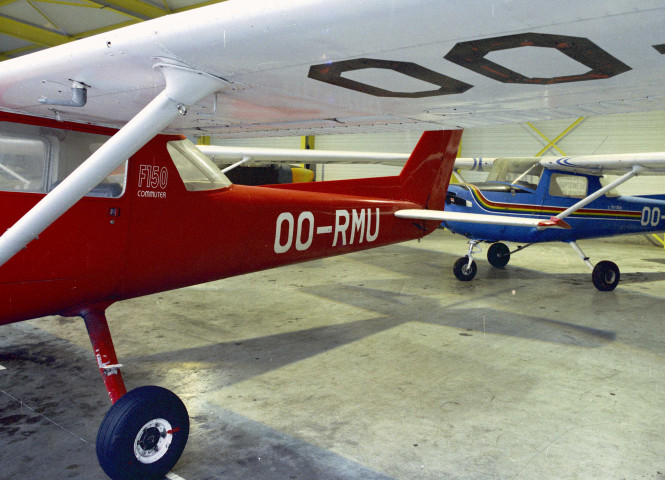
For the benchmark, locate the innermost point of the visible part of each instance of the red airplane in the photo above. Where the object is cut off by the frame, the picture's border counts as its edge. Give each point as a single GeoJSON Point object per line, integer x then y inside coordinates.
{"type": "Point", "coordinates": [140, 231]}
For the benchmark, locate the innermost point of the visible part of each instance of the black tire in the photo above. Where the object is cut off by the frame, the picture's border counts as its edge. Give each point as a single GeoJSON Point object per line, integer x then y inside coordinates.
{"type": "Point", "coordinates": [605, 276]}
{"type": "Point", "coordinates": [463, 271]}
{"type": "Point", "coordinates": [498, 255]}
{"type": "Point", "coordinates": [143, 434]}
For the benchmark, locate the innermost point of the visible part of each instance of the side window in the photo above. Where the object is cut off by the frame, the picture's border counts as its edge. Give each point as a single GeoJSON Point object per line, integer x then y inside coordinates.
{"type": "Point", "coordinates": [73, 149]}
{"type": "Point", "coordinates": [36, 159]}
{"type": "Point", "coordinates": [563, 185]}
{"type": "Point", "coordinates": [23, 163]}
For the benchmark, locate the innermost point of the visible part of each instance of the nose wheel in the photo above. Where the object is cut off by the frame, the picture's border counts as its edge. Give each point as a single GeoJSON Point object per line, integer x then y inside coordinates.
{"type": "Point", "coordinates": [465, 268]}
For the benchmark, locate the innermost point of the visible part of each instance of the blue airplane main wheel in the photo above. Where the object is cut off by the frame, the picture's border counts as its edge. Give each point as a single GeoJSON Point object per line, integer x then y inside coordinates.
{"type": "Point", "coordinates": [143, 434]}
{"type": "Point", "coordinates": [463, 271]}
{"type": "Point", "coordinates": [498, 255]}
{"type": "Point", "coordinates": [605, 276]}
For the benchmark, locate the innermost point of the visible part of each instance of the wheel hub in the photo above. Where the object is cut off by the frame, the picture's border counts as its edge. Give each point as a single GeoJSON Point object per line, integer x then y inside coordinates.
{"type": "Point", "coordinates": [149, 439]}
{"type": "Point", "coordinates": [153, 441]}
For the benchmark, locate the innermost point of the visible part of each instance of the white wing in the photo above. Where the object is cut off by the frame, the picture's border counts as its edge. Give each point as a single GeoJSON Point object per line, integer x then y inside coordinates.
{"type": "Point", "coordinates": [308, 66]}
{"type": "Point", "coordinates": [652, 163]}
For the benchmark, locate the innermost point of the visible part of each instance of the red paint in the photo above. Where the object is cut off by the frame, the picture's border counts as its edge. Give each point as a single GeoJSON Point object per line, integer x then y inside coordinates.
{"type": "Point", "coordinates": [105, 250]}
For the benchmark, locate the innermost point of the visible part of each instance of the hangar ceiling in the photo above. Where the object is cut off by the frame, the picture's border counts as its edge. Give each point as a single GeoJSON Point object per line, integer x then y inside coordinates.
{"type": "Point", "coordinates": [30, 25]}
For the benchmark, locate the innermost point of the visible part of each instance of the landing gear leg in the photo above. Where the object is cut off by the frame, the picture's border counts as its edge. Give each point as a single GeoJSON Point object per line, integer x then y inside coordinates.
{"type": "Point", "coordinates": [145, 431]}
{"type": "Point", "coordinates": [102, 345]}
{"type": "Point", "coordinates": [465, 268]}
{"type": "Point", "coordinates": [605, 275]}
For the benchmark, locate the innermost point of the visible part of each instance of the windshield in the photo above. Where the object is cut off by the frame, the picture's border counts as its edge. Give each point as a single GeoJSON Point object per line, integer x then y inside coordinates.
{"type": "Point", "coordinates": [197, 171]}
{"type": "Point", "coordinates": [523, 172]}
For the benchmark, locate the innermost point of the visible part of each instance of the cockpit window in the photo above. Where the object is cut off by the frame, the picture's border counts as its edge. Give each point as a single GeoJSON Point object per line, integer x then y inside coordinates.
{"type": "Point", "coordinates": [197, 171]}
{"type": "Point", "coordinates": [36, 159]}
{"type": "Point", "coordinates": [523, 172]}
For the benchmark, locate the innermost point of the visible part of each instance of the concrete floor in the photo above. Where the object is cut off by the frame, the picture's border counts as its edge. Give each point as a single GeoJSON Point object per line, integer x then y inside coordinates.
{"type": "Point", "coordinates": [375, 365]}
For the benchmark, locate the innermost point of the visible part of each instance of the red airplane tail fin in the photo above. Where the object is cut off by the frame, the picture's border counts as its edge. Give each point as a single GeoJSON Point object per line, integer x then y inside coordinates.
{"type": "Point", "coordinates": [425, 177]}
{"type": "Point", "coordinates": [423, 180]}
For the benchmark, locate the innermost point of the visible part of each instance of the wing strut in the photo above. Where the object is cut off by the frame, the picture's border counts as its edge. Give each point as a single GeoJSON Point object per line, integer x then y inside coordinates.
{"type": "Point", "coordinates": [184, 87]}
{"type": "Point", "coordinates": [237, 164]}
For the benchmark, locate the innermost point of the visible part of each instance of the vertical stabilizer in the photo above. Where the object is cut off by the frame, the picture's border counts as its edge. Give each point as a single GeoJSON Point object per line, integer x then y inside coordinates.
{"type": "Point", "coordinates": [426, 175]}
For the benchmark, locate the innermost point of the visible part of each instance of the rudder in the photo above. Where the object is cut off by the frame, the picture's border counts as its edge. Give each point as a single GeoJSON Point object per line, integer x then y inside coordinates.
{"type": "Point", "coordinates": [426, 175]}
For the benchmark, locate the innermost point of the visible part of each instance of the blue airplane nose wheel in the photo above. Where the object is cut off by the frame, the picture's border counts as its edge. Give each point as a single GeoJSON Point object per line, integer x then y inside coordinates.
{"type": "Point", "coordinates": [605, 276]}
{"type": "Point", "coordinates": [464, 270]}
{"type": "Point", "coordinates": [143, 434]}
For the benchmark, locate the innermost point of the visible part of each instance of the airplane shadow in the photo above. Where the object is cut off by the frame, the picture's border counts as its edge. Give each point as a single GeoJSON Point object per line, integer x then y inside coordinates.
{"type": "Point", "coordinates": [407, 308]}
{"type": "Point", "coordinates": [228, 363]}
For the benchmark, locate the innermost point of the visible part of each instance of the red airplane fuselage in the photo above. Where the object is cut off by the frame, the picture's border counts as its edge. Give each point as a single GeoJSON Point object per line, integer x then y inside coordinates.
{"type": "Point", "coordinates": [158, 235]}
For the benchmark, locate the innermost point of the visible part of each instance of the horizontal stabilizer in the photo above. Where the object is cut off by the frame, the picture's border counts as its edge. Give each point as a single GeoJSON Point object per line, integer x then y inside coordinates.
{"type": "Point", "coordinates": [443, 216]}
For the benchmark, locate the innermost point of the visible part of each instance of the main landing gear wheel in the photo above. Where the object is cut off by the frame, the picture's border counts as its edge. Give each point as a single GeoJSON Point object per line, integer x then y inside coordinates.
{"type": "Point", "coordinates": [143, 434]}
{"type": "Point", "coordinates": [463, 270]}
{"type": "Point", "coordinates": [498, 255]}
{"type": "Point", "coordinates": [605, 276]}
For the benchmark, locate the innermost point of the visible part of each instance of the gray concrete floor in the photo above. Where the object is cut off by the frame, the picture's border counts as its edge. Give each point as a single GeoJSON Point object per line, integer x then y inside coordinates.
{"type": "Point", "coordinates": [375, 365]}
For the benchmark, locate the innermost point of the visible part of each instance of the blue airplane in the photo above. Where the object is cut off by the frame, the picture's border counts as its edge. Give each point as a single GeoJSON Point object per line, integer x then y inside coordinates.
{"type": "Point", "coordinates": [565, 192]}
